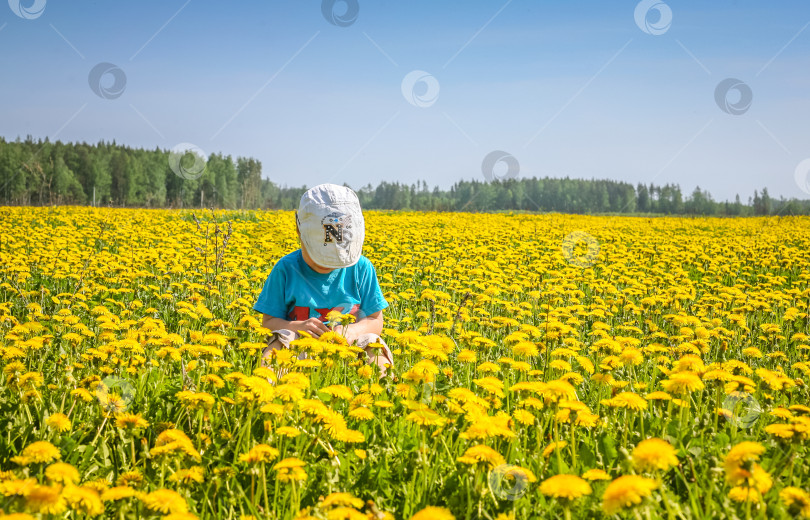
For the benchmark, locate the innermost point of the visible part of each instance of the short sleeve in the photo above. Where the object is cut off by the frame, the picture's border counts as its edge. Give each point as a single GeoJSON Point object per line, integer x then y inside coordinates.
{"type": "Point", "coordinates": [271, 300]}
{"type": "Point", "coordinates": [371, 296]}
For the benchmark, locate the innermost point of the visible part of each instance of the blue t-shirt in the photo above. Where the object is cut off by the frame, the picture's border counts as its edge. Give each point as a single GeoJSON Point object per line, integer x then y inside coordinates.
{"type": "Point", "coordinates": [294, 291]}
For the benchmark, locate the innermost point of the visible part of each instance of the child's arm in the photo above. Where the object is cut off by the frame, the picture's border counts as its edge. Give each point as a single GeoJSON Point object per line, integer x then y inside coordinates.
{"type": "Point", "coordinates": [313, 326]}
{"type": "Point", "coordinates": [373, 323]}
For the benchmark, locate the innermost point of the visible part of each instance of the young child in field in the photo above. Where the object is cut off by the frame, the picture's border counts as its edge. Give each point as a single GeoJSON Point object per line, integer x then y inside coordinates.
{"type": "Point", "coordinates": [329, 273]}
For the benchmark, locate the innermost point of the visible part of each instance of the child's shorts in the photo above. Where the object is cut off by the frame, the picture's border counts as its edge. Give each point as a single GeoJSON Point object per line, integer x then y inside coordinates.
{"type": "Point", "coordinates": [285, 337]}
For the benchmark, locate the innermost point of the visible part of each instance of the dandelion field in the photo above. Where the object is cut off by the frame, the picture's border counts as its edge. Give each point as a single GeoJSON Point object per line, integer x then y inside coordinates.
{"type": "Point", "coordinates": [545, 366]}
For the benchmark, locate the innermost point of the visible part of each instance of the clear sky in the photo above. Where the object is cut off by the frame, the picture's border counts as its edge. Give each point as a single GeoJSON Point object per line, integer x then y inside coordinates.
{"type": "Point", "coordinates": [590, 89]}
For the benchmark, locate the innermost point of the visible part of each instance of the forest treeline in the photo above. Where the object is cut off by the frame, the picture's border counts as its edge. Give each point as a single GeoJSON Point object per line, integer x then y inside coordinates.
{"type": "Point", "coordinates": [40, 172]}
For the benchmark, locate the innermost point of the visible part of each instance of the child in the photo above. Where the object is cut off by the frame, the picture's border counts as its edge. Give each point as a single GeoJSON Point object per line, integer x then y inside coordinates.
{"type": "Point", "coordinates": [328, 273]}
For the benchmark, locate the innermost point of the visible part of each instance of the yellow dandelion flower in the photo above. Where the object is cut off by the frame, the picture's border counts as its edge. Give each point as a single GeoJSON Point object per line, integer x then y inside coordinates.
{"type": "Point", "coordinates": [658, 396]}
{"type": "Point", "coordinates": [682, 383]}
{"type": "Point", "coordinates": [797, 501]}
{"type": "Point", "coordinates": [41, 452]}
{"type": "Point", "coordinates": [82, 394]}
{"type": "Point", "coordinates": [187, 476]}
{"type": "Point", "coordinates": [58, 422]}
{"type": "Point", "coordinates": [467, 356]}
{"type": "Point", "coordinates": [781, 413]}
{"type": "Point", "coordinates": [214, 380]}
{"type": "Point", "coordinates": [800, 408]}
{"type": "Point", "coordinates": [586, 419]}
{"type": "Point", "coordinates": [290, 462]}
{"type": "Point", "coordinates": [174, 441]}
{"type": "Point", "coordinates": [554, 446]}
{"type": "Point", "coordinates": [744, 494]}
{"type": "Point", "coordinates": [654, 454]}
{"type": "Point", "coordinates": [434, 513]}
{"type": "Point", "coordinates": [630, 400]}
{"type": "Point", "coordinates": [129, 421]}
{"type": "Point", "coordinates": [260, 453]}
{"type": "Point", "coordinates": [557, 390]}
{"type": "Point", "coordinates": [631, 356]}
{"type": "Point", "coordinates": [567, 487]}
{"type": "Point", "coordinates": [46, 500]}
{"type": "Point", "coordinates": [349, 436]}
{"type": "Point", "coordinates": [62, 473]}
{"type": "Point", "coordinates": [689, 363]}
{"type": "Point", "coordinates": [361, 414]}
{"type": "Point", "coordinates": [488, 367]}
{"type": "Point", "coordinates": [30, 380]}
{"type": "Point", "coordinates": [626, 492]}
{"type": "Point", "coordinates": [84, 500]}
{"type": "Point", "coordinates": [333, 338]}
{"type": "Point", "coordinates": [17, 487]}
{"type": "Point", "coordinates": [783, 431]}
{"type": "Point", "coordinates": [482, 453]}
{"type": "Point", "coordinates": [16, 516]}
{"type": "Point", "coordinates": [165, 501]}
{"type": "Point", "coordinates": [491, 384]}
{"type": "Point", "coordinates": [425, 417]}
{"type": "Point", "coordinates": [338, 391]}
{"type": "Point", "coordinates": [749, 475]}
{"type": "Point", "coordinates": [522, 348]}
{"type": "Point", "coordinates": [117, 493]}
{"type": "Point", "coordinates": [596, 474]}
{"type": "Point", "coordinates": [199, 400]}
{"type": "Point", "coordinates": [288, 431]}
{"type": "Point", "coordinates": [746, 451]}
{"type": "Point", "coordinates": [257, 387]}
{"type": "Point", "coordinates": [483, 426]}
{"type": "Point", "coordinates": [524, 417]}
{"type": "Point", "coordinates": [291, 469]}
{"type": "Point", "coordinates": [180, 516]}
{"type": "Point", "coordinates": [563, 416]}
{"type": "Point", "coordinates": [341, 500]}
{"type": "Point", "coordinates": [753, 352]}
{"type": "Point", "coordinates": [14, 367]}
{"type": "Point", "coordinates": [130, 478]}
{"type": "Point", "coordinates": [718, 375]}
{"type": "Point", "coordinates": [331, 420]}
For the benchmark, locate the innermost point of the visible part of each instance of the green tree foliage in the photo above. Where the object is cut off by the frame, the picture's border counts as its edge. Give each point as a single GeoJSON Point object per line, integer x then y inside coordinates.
{"type": "Point", "coordinates": [45, 172]}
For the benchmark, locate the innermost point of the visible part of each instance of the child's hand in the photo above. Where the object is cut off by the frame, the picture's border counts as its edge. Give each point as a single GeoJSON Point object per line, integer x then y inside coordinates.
{"type": "Point", "coordinates": [312, 326]}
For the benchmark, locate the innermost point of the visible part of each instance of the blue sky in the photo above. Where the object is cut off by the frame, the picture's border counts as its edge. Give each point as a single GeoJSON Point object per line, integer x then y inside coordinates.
{"type": "Point", "coordinates": [574, 89]}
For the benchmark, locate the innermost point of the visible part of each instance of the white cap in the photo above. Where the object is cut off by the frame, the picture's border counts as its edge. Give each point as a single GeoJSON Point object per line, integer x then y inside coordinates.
{"type": "Point", "coordinates": [331, 225]}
